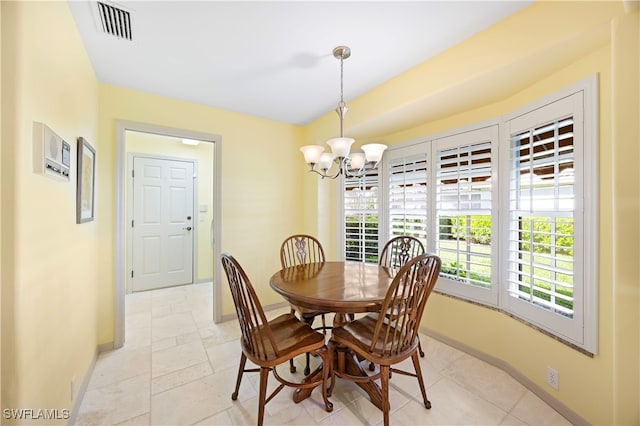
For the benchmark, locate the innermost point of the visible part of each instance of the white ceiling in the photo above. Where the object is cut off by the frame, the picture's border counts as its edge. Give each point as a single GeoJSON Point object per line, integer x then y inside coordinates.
{"type": "Point", "coordinates": [273, 59]}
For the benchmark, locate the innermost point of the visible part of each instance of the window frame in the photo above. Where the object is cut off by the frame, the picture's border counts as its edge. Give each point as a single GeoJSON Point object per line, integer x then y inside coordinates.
{"type": "Point", "coordinates": [582, 332]}
{"type": "Point", "coordinates": [581, 98]}
{"type": "Point", "coordinates": [342, 234]}
{"type": "Point", "coordinates": [405, 151]}
{"type": "Point", "coordinates": [460, 137]}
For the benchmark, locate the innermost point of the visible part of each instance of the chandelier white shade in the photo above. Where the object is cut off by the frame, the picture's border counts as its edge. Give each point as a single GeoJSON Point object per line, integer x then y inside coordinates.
{"type": "Point", "coordinates": [312, 153]}
{"type": "Point", "coordinates": [354, 164]}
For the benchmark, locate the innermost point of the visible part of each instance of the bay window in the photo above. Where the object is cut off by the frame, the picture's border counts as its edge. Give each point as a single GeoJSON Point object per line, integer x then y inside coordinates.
{"type": "Point", "coordinates": [509, 205]}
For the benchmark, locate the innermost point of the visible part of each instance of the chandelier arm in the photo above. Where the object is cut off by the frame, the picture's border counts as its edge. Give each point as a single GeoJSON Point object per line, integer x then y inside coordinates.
{"type": "Point", "coordinates": [362, 171]}
{"type": "Point", "coordinates": [324, 174]}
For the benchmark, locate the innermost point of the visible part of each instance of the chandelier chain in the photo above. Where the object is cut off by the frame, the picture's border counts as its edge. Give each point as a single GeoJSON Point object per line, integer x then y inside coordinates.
{"type": "Point", "coordinates": [342, 107]}
{"type": "Point", "coordinates": [341, 80]}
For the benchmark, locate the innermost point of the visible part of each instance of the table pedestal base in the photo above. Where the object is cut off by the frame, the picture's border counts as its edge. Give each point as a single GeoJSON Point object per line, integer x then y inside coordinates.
{"type": "Point", "coordinates": [347, 362]}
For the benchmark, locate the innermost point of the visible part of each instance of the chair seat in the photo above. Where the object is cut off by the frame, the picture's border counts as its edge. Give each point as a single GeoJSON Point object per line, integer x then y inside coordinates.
{"type": "Point", "coordinates": [358, 335]}
{"type": "Point", "coordinates": [293, 337]}
{"type": "Point", "coordinates": [306, 312]}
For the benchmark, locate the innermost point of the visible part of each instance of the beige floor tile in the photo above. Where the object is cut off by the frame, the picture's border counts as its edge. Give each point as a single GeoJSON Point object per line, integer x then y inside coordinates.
{"type": "Point", "coordinates": [115, 403]}
{"type": "Point", "coordinates": [534, 411]}
{"type": "Point", "coordinates": [138, 337]}
{"type": "Point", "coordinates": [220, 419]}
{"type": "Point", "coordinates": [453, 404]}
{"type": "Point", "coordinates": [409, 385]}
{"type": "Point", "coordinates": [194, 401]}
{"type": "Point", "coordinates": [246, 413]}
{"type": "Point", "coordinates": [492, 383]}
{"type": "Point", "coordinates": [118, 365]}
{"type": "Point", "coordinates": [172, 325]}
{"type": "Point", "coordinates": [159, 311]}
{"type": "Point", "coordinates": [140, 319]}
{"type": "Point", "coordinates": [143, 420]}
{"type": "Point", "coordinates": [358, 412]}
{"type": "Point", "coordinates": [176, 358]}
{"type": "Point", "coordinates": [137, 303]}
{"type": "Point", "coordinates": [438, 354]}
{"type": "Point", "coordinates": [159, 345]}
{"type": "Point", "coordinates": [225, 355]}
{"type": "Point", "coordinates": [510, 420]}
{"type": "Point", "coordinates": [180, 377]}
{"type": "Point", "coordinates": [213, 334]}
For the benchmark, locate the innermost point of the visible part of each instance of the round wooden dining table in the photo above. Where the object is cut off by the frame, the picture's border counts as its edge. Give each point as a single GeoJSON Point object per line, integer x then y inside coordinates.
{"type": "Point", "coordinates": [345, 288]}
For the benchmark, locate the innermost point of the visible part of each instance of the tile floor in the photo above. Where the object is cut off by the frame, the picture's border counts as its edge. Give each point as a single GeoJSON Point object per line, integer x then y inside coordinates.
{"type": "Point", "coordinates": [179, 368]}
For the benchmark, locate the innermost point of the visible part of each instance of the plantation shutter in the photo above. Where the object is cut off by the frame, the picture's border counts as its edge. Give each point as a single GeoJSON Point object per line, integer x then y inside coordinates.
{"type": "Point", "coordinates": [407, 195]}
{"type": "Point", "coordinates": [542, 199]}
{"type": "Point", "coordinates": [465, 207]}
{"type": "Point", "coordinates": [361, 218]}
{"type": "Point", "coordinates": [544, 248]}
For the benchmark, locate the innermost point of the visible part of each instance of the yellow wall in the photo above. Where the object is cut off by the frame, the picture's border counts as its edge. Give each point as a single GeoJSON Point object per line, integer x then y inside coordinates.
{"type": "Point", "coordinates": [540, 50]}
{"type": "Point", "coordinates": [625, 211]}
{"type": "Point", "coordinates": [49, 264]}
{"type": "Point", "coordinates": [256, 154]}
{"type": "Point", "coordinates": [147, 143]}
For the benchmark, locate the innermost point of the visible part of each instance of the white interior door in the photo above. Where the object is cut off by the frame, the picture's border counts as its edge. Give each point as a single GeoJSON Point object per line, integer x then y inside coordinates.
{"type": "Point", "coordinates": [162, 227]}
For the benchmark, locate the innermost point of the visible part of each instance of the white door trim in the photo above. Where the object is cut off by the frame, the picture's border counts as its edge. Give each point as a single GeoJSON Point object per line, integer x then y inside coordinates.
{"type": "Point", "coordinates": [194, 246]}
{"type": "Point", "coordinates": [120, 215]}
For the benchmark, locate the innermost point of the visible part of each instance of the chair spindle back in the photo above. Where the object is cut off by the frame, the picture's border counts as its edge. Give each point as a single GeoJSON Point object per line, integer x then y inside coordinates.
{"type": "Point", "coordinates": [301, 249]}
{"type": "Point", "coordinates": [399, 250]}
{"type": "Point", "coordinates": [257, 336]}
{"type": "Point", "coordinates": [404, 305]}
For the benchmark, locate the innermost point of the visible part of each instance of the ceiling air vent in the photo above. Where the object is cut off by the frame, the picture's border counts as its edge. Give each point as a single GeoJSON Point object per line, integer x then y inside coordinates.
{"type": "Point", "coordinates": [115, 21]}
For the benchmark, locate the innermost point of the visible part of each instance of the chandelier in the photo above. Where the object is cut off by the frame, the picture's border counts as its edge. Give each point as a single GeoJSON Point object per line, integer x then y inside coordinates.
{"type": "Point", "coordinates": [354, 164]}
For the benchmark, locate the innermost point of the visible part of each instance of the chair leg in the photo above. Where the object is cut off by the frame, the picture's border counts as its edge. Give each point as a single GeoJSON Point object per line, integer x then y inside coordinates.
{"type": "Point", "coordinates": [384, 382]}
{"type": "Point", "coordinates": [327, 369]}
{"type": "Point", "coordinates": [292, 367]}
{"type": "Point", "coordinates": [307, 369]}
{"type": "Point", "coordinates": [332, 373]}
{"type": "Point", "coordinates": [416, 366]}
{"type": "Point", "coordinates": [309, 321]}
{"type": "Point", "coordinates": [264, 375]}
{"type": "Point", "coordinates": [243, 361]}
{"type": "Point", "coordinates": [420, 348]}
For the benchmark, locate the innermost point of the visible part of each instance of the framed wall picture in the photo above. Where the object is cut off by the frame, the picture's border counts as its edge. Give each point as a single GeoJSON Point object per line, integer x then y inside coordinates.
{"type": "Point", "coordinates": [86, 177]}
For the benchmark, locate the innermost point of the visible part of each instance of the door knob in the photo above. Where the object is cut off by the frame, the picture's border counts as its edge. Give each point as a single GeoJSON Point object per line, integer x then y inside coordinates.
{"type": "Point", "coordinates": [188, 228]}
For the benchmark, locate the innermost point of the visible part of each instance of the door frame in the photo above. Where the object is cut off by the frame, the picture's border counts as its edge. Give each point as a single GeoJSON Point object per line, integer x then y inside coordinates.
{"type": "Point", "coordinates": [131, 156]}
{"type": "Point", "coordinates": [120, 215]}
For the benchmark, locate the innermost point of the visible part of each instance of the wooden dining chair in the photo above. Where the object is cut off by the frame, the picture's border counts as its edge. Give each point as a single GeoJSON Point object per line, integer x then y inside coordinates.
{"type": "Point", "coordinates": [270, 343]}
{"type": "Point", "coordinates": [301, 249]}
{"type": "Point", "coordinates": [392, 336]}
{"type": "Point", "coordinates": [399, 250]}
{"type": "Point", "coordinates": [396, 253]}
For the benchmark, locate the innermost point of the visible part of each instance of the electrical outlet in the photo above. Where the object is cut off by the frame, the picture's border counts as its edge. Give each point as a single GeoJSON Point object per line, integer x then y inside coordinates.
{"type": "Point", "coordinates": [553, 378]}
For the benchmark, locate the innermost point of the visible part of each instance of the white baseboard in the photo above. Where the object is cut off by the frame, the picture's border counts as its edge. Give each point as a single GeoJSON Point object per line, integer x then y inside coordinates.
{"type": "Point", "coordinates": [267, 308]}
{"type": "Point", "coordinates": [85, 382]}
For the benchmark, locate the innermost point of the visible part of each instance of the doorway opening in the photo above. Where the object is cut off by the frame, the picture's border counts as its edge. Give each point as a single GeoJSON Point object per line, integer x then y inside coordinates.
{"type": "Point", "coordinates": [204, 219]}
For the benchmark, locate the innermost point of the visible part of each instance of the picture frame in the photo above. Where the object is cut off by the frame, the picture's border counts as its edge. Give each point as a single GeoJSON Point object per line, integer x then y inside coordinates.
{"type": "Point", "coordinates": [86, 178]}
